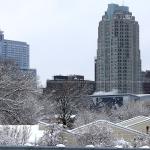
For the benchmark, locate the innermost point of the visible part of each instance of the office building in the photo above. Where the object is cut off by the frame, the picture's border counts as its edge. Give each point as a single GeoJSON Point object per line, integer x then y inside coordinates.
{"type": "Point", "coordinates": [14, 50]}
{"type": "Point", "coordinates": [118, 63]}
{"type": "Point", "coordinates": [77, 83]}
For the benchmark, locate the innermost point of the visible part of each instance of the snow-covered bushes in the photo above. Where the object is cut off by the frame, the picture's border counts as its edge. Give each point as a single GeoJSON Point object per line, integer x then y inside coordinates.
{"type": "Point", "coordinates": [52, 136]}
{"type": "Point", "coordinates": [99, 136]}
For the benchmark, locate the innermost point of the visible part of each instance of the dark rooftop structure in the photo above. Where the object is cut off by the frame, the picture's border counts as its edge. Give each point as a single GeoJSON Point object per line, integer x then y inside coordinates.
{"type": "Point", "coordinates": [146, 82]}
{"type": "Point", "coordinates": [75, 82]}
{"type": "Point", "coordinates": [68, 78]}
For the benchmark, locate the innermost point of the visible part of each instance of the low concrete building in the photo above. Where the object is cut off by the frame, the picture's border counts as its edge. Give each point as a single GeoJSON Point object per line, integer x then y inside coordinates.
{"type": "Point", "coordinates": [128, 130]}
{"type": "Point", "coordinates": [118, 131]}
{"type": "Point", "coordinates": [111, 99]}
{"type": "Point", "coordinates": [101, 99]}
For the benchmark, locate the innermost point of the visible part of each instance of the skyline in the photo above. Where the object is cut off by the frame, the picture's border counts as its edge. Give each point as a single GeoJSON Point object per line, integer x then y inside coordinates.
{"type": "Point", "coordinates": [65, 31]}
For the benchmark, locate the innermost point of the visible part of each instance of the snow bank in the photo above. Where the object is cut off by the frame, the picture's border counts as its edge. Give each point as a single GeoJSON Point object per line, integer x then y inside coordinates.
{"type": "Point", "coordinates": [144, 146]}
{"type": "Point", "coordinates": [122, 144]}
{"type": "Point", "coordinates": [28, 144]}
{"type": "Point", "coordinates": [91, 146]}
{"type": "Point", "coordinates": [35, 134]}
{"type": "Point", "coordinates": [60, 145]}
{"type": "Point", "coordinates": [118, 146]}
{"type": "Point", "coordinates": [72, 116]}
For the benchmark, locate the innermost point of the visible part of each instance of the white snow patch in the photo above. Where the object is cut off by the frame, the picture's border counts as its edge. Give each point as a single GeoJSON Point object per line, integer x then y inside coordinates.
{"type": "Point", "coordinates": [72, 116]}
{"type": "Point", "coordinates": [122, 144]}
{"type": "Point", "coordinates": [122, 141]}
{"type": "Point", "coordinates": [92, 146]}
{"type": "Point", "coordinates": [56, 116]}
{"type": "Point", "coordinates": [60, 145]}
{"type": "Point", "coordinates": [118, 146]}
{"type": "Point", "coordinates": [28, 144]}
{"type": "Point", "coordinates": [144, 146]}
{"type": "Point", "coordinates": [60, 125]}
{"type": "Point", "coordinates": [36, 134]}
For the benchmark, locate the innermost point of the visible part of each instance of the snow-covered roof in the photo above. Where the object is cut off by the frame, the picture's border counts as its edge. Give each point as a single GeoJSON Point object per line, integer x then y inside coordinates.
{"type": "Point", "coordinates": [132, 121]}
{"type": "Point", "coordinates": [143, 95]}
{"type": "Point", "coordinates": [111, 94]}
{"type": "Point", "coordinates": [44, 123]}
{"type": "Point", "coordinates": [114, 92]}
{"type": "Point", "coordinates": [81, 129]}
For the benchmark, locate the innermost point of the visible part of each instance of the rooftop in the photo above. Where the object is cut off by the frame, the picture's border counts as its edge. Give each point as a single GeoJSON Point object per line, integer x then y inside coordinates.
{"type": "Point", "coordinates": [113, 8]}
{"type": "Point", "coordinates": [133, 121]}
{"type": "Point", "coordinates": [83, 129]}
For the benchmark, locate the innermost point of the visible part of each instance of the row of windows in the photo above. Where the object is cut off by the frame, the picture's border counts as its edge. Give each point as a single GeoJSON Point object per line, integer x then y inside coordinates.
{"type": "Point", "coordinates": [121, 22]}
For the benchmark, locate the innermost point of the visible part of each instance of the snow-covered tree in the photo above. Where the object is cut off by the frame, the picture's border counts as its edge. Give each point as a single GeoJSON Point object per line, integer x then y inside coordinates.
{"type": "Point", "coordinates": [65, 103]}
{"type": "Point", "coordinates": [52, 136]}
{"type": "Point", "coordinates": [64, 111]}
{"type": "Point", "coordinates": [18, 96]}
{"type": "Point", "coordinates": [128, 111]}
{"type": "Point", "coordinates": [14, 135]}
{"type": "Point", "coordinates": [100, 136]}
{"type": "Point", "coordinates": [86, 116]}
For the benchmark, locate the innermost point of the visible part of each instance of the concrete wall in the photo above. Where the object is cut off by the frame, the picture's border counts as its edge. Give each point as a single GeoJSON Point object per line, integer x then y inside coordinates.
{"type": "Point", "coordinates": [141, 127]}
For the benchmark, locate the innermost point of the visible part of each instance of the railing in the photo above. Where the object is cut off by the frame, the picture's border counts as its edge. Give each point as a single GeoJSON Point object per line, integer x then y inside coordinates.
{"type": "Point", "coordinates": [56, 148]}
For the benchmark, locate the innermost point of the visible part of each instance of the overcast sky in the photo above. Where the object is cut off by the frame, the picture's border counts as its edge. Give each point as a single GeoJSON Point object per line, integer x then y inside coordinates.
{"type": "Point", "coordinates": [62, 34]}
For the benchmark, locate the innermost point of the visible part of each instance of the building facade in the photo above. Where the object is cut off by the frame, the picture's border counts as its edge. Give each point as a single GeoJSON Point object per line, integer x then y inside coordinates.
{"type": "Point", "coordinates": [14, 50]}
{"type": "Point", "coordinates": [61, 83]}
{"type": "Point", "coordinates": [118, 63]}
{"type": "Point", "coordinates": [146, 82]}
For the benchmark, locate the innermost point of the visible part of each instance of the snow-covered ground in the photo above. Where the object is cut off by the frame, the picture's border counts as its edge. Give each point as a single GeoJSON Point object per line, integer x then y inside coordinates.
{"type": "Point", "coordinates": [60, 145]}
{"type": "Point", "coordinates": [36, 134]}
{"type": "Point", "coordinates": [90, 146]}
{"type": "Point", "coordinates": [33, 132]}
{"type": "Point", "coordinates": [145, 147]}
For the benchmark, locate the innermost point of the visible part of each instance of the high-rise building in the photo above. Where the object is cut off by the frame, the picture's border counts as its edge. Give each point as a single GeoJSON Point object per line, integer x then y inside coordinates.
{"type": "Point", "coordinates": [118, 63]}
{"type": "Point", "coordinates": [14, 50]}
